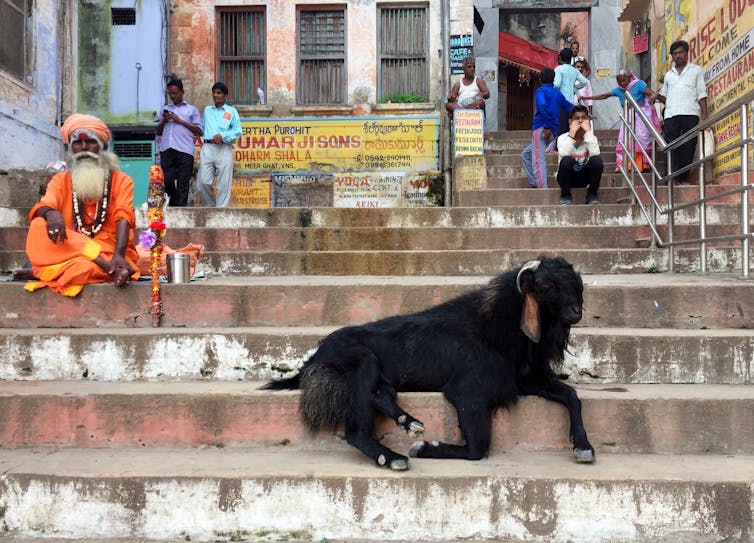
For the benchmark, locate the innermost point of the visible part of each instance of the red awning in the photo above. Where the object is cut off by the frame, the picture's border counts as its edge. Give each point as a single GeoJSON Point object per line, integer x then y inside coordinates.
{"type": "Point", "coordinates": [523, 53]}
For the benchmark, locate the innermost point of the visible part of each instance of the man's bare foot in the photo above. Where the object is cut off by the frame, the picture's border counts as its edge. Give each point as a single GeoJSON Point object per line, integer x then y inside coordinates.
{"type": "Point", "coordinates": [23, 274]}
{"type": "Point", "coordinates": [121, 276]}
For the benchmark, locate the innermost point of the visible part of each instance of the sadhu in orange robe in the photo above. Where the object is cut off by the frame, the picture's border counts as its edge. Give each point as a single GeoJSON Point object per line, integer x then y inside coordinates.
{"type": "Point", "coordinates": [67, 267]}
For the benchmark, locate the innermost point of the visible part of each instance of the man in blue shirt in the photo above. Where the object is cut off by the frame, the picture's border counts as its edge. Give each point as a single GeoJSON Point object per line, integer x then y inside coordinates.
{"type": "Point", "coordinates": [550, 102]}
{"type": "Point", "coordinates": [222, 127]}
{"type": "Point", "coordinates": [567, 79]}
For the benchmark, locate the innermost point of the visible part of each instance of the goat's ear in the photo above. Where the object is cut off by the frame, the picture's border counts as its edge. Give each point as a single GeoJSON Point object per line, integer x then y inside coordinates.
{"type": "Point", "coordinates": [530, 324]}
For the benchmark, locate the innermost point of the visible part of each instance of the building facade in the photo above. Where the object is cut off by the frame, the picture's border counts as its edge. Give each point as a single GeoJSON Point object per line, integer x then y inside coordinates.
{"type": "Point", "coordinates": [35, 78]}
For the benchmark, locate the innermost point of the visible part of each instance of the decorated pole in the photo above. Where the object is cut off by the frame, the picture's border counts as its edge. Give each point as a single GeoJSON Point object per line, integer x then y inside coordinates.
{"type": "Point", "coordinates": [152, 238]}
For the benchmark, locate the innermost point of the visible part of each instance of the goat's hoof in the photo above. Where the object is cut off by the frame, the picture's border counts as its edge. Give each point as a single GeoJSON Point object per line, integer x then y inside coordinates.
{"type": "Point", "coordinates": [415, 429]}
{"type": "Point", "coordinates": [399, 464]}
{"type": "Point", "coordinates": [417, 448]}
{"type": "Point", "coordinates": [583, 456]}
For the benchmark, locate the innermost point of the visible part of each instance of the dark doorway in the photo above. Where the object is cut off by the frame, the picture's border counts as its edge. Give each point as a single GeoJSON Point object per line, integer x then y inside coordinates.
{"type": "Point", "coordinates": [519, 103]}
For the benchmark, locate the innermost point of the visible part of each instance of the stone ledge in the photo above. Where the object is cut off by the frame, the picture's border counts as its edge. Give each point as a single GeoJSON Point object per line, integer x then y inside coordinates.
{"type": "Point", "coordinates": [404, 109]}
{"type": "Point", "coordinates": [254, 110]}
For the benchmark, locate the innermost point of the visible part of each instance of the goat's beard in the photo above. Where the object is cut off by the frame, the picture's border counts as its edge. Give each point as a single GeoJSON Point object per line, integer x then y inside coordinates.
{"type": "Point", "coordinates": [89, 173]}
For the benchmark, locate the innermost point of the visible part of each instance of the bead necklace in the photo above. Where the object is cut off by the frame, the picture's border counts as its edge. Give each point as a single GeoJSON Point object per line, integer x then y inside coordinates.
{"type": "Point", "coordinates": [91, 227]}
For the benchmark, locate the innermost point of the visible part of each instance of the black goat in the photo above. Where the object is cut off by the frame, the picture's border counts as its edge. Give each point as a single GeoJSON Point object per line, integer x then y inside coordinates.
{"type": "Point", "coordinates": [482, 350]}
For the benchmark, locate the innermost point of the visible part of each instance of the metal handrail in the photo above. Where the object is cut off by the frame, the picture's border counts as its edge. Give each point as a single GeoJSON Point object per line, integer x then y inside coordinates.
{"type": "Point", "coordinates": [632, 114]}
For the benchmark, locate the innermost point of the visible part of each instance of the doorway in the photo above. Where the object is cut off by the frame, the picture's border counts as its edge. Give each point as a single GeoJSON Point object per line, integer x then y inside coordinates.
{"type": "Point", "coordinates": [519, 102]}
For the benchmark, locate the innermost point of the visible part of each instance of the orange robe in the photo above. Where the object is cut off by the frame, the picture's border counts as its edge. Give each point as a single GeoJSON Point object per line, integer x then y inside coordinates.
{"type": "Point", "coordinates": [67, 267]}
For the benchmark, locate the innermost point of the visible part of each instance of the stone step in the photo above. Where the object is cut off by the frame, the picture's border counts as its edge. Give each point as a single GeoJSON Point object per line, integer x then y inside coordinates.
{"type": "Point", "coordinates": [479, 217]}
{"type": "Point", "coordinates": [381, 238]}
{"type": "Point", "coordinates": [608, 195]}
{"type": "Point", "coordinates": [596, 355]}
{"type": "Point", "coordinates": [438, 262]}
{"type": "Point", "coordinates": [279, 494]}
{"type": "Point", "coordinates": [659, 300]}
{"type": "Point", "coordinates": [522, 182]}
{"type": "Point", "coordinates": [619, 418]}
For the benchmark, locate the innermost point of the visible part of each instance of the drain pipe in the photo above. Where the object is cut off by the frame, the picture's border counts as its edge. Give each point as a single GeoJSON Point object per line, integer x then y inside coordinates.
{"type": "Point", "coordinates": [444, 126]}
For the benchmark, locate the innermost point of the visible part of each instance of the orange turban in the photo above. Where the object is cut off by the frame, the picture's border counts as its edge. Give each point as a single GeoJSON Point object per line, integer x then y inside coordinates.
{"type": "Point", "coordinates": [79, 121]}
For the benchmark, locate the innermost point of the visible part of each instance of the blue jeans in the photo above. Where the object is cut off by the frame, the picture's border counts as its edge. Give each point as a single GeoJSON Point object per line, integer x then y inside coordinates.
{"type": "Point", "coordinates": [535, 161]}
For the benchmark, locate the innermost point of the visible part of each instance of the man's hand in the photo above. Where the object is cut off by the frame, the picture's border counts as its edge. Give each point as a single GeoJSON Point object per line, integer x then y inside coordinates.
{"type": "Point", "coordinates": [120, 270]}
{"type": "Point", "coordinates": [55, 226]}
{"type": "Point", "coordinates": [574, 128]}
{"type": "Point", "coordinates": [586, 125]}
{"type": "Point", "coordinates": [547, 133]}
{"type": "Point", "coordinates": [217, 138]}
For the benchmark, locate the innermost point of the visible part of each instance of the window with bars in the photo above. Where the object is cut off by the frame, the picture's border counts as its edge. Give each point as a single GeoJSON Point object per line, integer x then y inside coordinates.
{"type": "Point", "coordinates": [403, 51]}
{"type": "Point", "coordinates": [241, 43]}
{"type": "Point", "coordinates": [16, 37]}
{"type": "Point", "coordinates": [322, 57]}
{"type": "Point", "coordinates": [123, 16]}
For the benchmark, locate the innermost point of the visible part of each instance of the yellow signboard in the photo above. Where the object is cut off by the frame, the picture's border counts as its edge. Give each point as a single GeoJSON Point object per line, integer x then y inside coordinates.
{"type": "Point", "coordinates": [723, 45]}
{"type": "Point", "coordinates": [338, 144]}
{"type": "Point", "coordinates": [250, 191]}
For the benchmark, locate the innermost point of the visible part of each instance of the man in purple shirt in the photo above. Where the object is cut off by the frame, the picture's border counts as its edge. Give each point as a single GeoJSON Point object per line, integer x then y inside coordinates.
{"type": "Point", "coordinates": [177, 125]}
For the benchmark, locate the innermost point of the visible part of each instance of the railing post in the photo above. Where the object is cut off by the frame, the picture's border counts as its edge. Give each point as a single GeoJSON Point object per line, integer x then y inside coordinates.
{"type": "Point", "coordinates": [702, 207]}
{"type": "Point", "coordinates": [671, 215]}
{"type": "Point", "coordinates": [654, 188]}
{"type": "Point", "coordinates": [745, 194]}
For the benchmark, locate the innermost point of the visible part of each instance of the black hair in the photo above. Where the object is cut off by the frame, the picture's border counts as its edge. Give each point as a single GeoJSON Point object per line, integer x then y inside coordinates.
{"type": "Point", "coordinates": [565, 55]}
{"type": "Point", "coordinates": [222, 87]}
{"type": "Point", "coordinates": [585, 63]}
{"type": "Point", "coordinates": [578, 108]}
{"type": "Point", "coordinates": [576, 42]}
{"type": "Point", "coordinates": [547, 75]}
{"type": "Point", "coordinates": [175, 82]}
{"type": "Point", "coordinates": [683, 44]}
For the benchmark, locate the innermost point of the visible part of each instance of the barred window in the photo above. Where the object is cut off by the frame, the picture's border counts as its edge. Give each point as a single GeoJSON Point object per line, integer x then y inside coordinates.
{"type": "Point", "coordinates": [322, 56]}
{"type": "Point", "coordinates": [16, 37]}
{"type": "Point", "coordinates": [241, 34]}
{"type": "Point", "coordinates": [403, 51]}
{"type": "Point", "coordinates": [123, 16]}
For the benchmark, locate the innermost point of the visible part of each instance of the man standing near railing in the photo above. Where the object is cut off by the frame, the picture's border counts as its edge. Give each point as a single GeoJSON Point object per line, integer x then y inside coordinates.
{"type": "Point", "coordinates": [685, 98]}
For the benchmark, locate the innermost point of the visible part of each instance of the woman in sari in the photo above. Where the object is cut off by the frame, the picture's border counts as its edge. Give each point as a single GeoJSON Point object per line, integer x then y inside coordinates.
{"type": "Point", "coordinates": [628, 82]}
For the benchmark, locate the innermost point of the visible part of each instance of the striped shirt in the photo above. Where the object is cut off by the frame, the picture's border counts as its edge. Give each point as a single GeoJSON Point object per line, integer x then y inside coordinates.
{"type": "Point", "coordinates": [683, 91]}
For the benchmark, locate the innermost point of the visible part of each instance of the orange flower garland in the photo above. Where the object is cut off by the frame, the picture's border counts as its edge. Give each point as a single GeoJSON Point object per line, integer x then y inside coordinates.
{"type": "Point", "coordinates": [155, 216]}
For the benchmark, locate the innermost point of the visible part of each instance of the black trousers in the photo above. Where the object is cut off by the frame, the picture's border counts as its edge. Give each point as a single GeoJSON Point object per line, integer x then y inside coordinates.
{"type": "Point", "coordinates": [673, 128]}
{"type": "Point", "coordinates": [177, 168]}
{"type": "Point", "coordinates": [589, 176]}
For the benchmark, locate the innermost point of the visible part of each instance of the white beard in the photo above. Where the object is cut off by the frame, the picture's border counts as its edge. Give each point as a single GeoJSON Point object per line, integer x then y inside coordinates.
{"type": "Point", "coordinates": [89, 173]}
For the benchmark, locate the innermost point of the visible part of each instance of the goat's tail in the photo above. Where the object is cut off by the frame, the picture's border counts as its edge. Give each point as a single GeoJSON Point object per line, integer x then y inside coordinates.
{"type": "Point", "coordinates": [325, 396]}
{"type": "Point", "coordinates": [292, 383]}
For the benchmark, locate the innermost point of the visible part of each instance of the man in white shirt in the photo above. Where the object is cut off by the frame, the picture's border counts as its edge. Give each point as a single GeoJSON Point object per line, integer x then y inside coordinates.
{"type": "Point", "coordinates": [580, 161]}
{"type": "Point", "coordinates": [685, 98]}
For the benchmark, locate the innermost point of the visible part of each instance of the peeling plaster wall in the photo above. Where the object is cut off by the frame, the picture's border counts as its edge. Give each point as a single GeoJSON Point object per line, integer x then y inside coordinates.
{"type": "Point", "coordinates": [109, 84]}
{"type": "Point", "coordinates": [29, 137]}
{"type": "Point", "coordinates": [193, 55]}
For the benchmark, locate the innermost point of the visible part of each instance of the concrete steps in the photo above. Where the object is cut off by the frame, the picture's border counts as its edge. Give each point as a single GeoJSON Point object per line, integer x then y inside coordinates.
{"type": "Point", "coordinates": [597, 355]}
{"type": "Point", "coordinates": [215, 494]}
{"type": "Point", "coordinates": [623, 418]}
{"type": "Point", "coordinates": [113, 429]}
{"type": "Point", "coordinates": [641, 300]}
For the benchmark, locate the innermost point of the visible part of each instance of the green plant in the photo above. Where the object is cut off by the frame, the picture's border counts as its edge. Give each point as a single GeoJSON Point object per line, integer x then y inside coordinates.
{"type": "Point", "coordinates": [403, 98]}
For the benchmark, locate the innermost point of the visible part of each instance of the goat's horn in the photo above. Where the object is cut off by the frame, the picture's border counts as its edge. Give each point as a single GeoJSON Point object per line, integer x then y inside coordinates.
{"type": "Point", "coordinates": [532, 265]}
